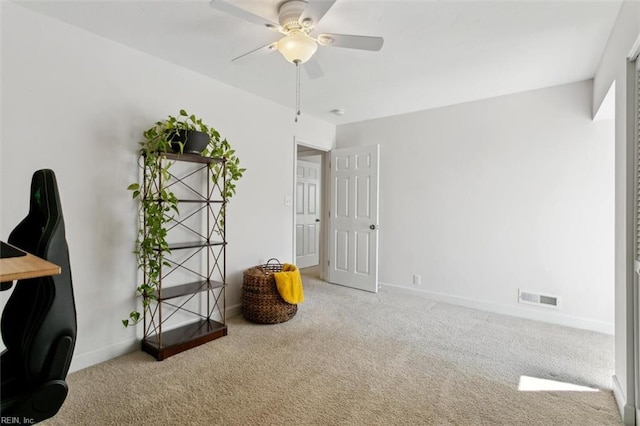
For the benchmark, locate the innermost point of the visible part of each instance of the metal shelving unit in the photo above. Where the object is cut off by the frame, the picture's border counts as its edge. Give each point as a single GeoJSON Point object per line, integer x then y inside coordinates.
{"type": "Point", "coordinates": [207, 286]}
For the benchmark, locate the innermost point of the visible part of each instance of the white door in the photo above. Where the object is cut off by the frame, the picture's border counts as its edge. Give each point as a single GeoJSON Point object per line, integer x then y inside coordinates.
{"type": "Point", "coordinates": [307, 214]}
{"type": "Point", "coordinates": [353, 218]}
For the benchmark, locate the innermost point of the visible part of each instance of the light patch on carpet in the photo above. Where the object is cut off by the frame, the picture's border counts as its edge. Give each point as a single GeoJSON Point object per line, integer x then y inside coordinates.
{"type": "Point", "coordinates": [535, 384]}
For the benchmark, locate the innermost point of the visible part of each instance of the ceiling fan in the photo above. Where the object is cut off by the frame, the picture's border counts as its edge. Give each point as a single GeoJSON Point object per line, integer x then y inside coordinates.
{"type": "Point", "coordinates": [296, 21]}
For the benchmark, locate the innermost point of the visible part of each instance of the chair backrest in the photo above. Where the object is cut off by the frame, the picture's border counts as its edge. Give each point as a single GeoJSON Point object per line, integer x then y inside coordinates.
{"type": "Point", "coordinates": [40, 313]}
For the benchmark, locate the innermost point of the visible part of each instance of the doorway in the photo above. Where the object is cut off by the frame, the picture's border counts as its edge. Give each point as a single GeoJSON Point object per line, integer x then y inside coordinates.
{"type": "Point", "coordinates": [309, 233]}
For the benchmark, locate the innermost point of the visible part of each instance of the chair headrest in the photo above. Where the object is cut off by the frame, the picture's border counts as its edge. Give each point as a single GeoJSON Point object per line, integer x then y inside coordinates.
{"type": "Point", "coordinates": [45, 200]}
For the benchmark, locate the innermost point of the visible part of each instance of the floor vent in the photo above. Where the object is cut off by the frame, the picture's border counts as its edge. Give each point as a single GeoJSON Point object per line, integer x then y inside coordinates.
{"type": "Point", "coordinates": [538, 299]}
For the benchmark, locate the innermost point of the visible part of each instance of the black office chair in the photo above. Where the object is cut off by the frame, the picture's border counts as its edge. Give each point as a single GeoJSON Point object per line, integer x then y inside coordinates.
{"type": "Point", "coordinates": [39, 320]}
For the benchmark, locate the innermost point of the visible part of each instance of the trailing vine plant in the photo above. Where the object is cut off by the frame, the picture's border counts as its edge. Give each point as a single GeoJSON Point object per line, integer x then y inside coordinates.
{"type": "Point", "coordinates": [158, 204]}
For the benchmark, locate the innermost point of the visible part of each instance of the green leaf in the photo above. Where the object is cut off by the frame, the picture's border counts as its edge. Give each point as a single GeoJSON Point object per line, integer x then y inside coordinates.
{"type": "Point", "coordinates": [183, 113]}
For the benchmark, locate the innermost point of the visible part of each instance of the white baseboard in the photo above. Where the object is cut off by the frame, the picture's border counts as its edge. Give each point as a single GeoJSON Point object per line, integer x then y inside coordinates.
{"type": "Point", "coordinates": [627, 412]}
{"type": "Point", "coordinates": [105, 353]}
{"type": "Point", "coordinates": [234, 311]}
{"type": "Point", "coordinates": [619, 396]}
{"type": "Point", "coordinates": [516, 311]}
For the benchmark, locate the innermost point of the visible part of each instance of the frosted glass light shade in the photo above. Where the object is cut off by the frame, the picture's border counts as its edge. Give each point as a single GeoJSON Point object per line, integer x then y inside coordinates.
{"type": "Point", "coordinates": [297, 47]}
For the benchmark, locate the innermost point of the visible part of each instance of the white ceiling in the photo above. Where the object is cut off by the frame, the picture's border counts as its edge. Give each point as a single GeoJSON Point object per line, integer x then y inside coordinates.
{"type": "Point", "coordinates": [436, 53]}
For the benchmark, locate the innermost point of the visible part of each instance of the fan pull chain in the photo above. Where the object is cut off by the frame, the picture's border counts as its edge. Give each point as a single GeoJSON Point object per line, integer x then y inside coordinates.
{"type": "Point", "coordinates": [297, 90]}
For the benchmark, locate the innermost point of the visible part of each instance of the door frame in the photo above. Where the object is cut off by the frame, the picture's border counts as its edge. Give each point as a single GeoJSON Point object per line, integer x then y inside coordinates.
{"type": "Point", "coordinates": [633, 278]}
{"type": "Point", "coordinates": [324, 197]}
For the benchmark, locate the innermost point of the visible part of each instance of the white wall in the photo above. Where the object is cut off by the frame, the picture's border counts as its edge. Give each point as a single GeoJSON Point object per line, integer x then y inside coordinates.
{"type": "Point", "coordinates": [484, 198]}
{"type": "Point", "coordinates": [77, 103]}
{"type": "Point", "coordinates": [613, 68]}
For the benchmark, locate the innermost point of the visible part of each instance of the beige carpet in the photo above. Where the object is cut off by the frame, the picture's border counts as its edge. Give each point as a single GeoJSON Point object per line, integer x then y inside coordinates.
{"type": "Point", "coordinates": [354, 358]}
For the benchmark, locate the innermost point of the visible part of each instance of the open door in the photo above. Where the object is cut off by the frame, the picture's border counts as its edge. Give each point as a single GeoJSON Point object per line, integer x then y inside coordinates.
{"type": "Point", "coordinates": [353, 218]}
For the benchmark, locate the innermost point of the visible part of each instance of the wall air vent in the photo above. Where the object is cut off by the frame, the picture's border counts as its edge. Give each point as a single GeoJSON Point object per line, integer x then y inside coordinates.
{"type": "Point", "coordinates": [538, 299]}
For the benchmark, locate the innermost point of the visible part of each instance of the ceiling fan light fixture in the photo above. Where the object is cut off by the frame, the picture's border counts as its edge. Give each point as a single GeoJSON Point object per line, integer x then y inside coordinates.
{"type": "Point", "coordinates": [297, 47]}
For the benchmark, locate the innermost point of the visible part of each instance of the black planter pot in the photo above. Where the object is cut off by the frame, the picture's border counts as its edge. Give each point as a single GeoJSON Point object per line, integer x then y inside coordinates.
{"type": "Point", "coordinates": [194, 141]}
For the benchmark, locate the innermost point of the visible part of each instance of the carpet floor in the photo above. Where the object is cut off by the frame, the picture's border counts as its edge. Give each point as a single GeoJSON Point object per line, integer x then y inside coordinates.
{"type": "Point", "coordinates": [355, 358]}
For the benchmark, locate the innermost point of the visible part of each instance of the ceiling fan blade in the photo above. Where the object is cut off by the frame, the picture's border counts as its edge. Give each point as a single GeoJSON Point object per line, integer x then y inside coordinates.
{"type": "Point", "coordinates": [313, 69]}
{"type": "Point", "coordinates": [351, 41]}
{"type": "Point", "coordinates": [315, 10]}
{"type": "Point", "coordinates": [238, 12]}
{"type": "Point", "coordinates": [268, 48]}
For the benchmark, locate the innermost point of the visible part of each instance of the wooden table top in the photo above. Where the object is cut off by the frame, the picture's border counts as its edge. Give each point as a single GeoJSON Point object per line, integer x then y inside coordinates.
{"type": "Point", "coordinates": [23, 267]}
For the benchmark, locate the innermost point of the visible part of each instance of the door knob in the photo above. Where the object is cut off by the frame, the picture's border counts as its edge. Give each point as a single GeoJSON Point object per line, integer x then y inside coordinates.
{"type": "Point", "coordinates": [317, 220]}
{"type": "Point", "coordinates": [374, 227]}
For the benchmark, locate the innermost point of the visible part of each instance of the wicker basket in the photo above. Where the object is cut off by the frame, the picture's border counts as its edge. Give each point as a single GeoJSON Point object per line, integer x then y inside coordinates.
{"type": "Point", "coordinates": [261, 301]}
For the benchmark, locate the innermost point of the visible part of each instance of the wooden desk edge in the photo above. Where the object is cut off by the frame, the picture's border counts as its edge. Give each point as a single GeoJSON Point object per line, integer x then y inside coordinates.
{"type": "Point", "coordinates": [44, 268]}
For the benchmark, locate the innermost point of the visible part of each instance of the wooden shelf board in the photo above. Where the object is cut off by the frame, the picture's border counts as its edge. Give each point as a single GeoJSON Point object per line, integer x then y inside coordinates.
{"type": "Point", "coordinates": [193, 158]}
{"type": "Point", "coordinates": [183, 338]}
{"type": "Point", "coordinates": [202, 201]}
{"type": "Point", "coordinates": [194, 244]}
{"type": "Point", "coordinates": [188, 289]}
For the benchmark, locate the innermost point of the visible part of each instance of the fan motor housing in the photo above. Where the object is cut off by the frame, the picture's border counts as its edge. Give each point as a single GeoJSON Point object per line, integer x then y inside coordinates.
{"type": "Point", "coordinates": [289, 13]}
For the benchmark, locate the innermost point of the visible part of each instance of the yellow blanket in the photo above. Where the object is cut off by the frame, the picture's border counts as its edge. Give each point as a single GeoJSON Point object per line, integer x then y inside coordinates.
{"type": "Point", "coordinates": [289, 284]}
